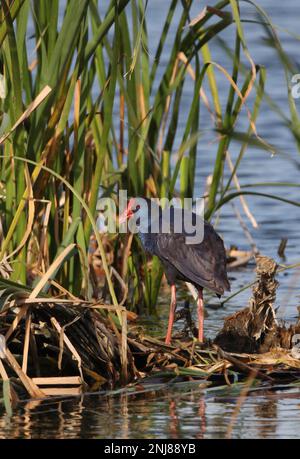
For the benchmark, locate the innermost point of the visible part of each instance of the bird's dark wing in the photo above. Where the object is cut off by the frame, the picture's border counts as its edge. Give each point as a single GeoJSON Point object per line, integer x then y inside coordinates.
{"type": "Point", "coordinates": [203, 264]}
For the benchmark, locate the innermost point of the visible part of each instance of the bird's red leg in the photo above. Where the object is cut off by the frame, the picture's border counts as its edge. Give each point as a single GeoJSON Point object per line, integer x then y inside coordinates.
{"type": "Point", "coordinates": [172, 314]}
{"type": "Point", "coordinates": [200, 308]}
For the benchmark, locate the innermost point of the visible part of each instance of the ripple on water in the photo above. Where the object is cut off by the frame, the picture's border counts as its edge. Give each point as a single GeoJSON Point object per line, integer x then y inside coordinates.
{"type": "Point", "coordinates": [175, 414]}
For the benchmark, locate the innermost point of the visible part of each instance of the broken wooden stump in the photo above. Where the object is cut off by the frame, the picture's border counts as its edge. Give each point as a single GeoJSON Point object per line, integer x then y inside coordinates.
{"type": "Point", "coordinates": [255, 329]}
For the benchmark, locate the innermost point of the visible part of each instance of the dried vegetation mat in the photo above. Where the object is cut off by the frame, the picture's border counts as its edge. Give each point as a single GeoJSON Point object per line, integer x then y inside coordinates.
{"type": "Point", "coordinates": [68, 347]}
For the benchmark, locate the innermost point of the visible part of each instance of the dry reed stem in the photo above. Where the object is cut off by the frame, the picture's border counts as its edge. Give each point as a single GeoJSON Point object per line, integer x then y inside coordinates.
{"type": "Point", "coordinates": [61, 380]}
{"type": "Point", "coordinates": [37, 101]}
{"type": "Point", "coordinates": [51, 270]}
{"type": "Point", "coordinates": [26, 341]}
{"type": "Point", "coordinates": [33, 390]}
{"type": "Point", "coordinates": [68, 343]}
{"type": "Point", "coordinates": [242, 198]}
{"type": "Point", "coordinates": [124, 362]}
{"type": "Point", "coordinates": [208, 9]}
{"type": "Point", "coordinates": [16, 321]}
{"type": "Point", "coordinates": [3, 371]}
{"type": "Point", "coordinates": [202, 93]}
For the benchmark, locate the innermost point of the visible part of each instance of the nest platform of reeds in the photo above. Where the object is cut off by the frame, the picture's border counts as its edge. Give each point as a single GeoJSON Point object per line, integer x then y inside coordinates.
{"type": "Point", "coordinates": [65, 348]}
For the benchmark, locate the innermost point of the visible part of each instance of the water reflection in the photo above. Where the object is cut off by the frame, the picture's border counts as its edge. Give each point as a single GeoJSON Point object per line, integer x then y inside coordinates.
{"type": "Point", "coordinates": [267, 410]}
{"type": "Point", "coordinates": [176, 413]}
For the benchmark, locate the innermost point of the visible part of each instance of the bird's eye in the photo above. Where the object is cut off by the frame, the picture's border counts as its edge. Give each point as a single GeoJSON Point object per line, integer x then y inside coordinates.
{"type": "Point", "coordinates": [138, 207]}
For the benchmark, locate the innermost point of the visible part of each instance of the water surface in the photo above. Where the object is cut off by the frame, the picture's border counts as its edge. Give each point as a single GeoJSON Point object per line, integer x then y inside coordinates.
{"type": "Point", "coordinates": [176, 413]}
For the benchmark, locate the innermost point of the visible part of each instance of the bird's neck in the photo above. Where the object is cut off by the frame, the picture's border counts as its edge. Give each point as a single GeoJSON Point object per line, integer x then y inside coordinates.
{"type": "Point", "coordinates": [148, 241]}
